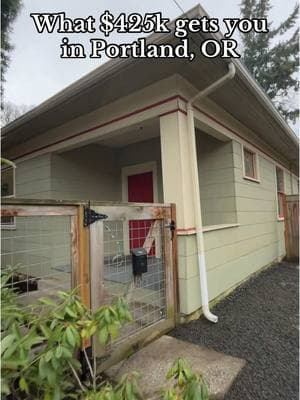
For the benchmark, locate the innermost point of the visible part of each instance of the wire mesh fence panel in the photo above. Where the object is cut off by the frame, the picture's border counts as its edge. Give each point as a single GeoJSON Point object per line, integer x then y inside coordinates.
{"type": "Point", "coordinates": [145, 292]}
{"type": "Point", "coordinates": [132, 257]}
{"type": "Point", "coordinates": [37, 251]}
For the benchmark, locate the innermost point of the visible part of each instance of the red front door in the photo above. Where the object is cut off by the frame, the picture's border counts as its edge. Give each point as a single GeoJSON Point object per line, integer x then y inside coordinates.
{"type": "Point", "coordinates": [140, 190]}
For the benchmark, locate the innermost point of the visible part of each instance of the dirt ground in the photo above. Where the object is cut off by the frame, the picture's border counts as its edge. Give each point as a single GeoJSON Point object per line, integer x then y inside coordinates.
{"type": "Point", "coordinates": [259, 323]}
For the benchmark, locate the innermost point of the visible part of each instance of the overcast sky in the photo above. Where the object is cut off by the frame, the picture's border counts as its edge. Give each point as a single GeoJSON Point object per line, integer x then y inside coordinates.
{"type": "Point", "coordinates": [36, 70]}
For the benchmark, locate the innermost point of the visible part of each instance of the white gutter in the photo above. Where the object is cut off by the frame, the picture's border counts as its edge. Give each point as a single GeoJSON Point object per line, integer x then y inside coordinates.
{"type": "Point", "coordinates": [253, 85]}
{"type": "Point", "coordinates": [261, 96]}
{"type": "Point", "coordinates": [8, 162]}
{"type": "Point", "coordinates": [196, 190]}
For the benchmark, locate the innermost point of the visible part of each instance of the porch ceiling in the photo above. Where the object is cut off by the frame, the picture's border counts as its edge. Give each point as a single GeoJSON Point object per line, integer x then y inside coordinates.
{"type": "Point", "coordinates": [241, 97]}
{"type": "Point", "coordinates": [149, 129]}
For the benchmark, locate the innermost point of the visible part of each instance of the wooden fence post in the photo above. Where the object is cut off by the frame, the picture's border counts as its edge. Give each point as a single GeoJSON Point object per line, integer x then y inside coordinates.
{"type": "Point", "coordinates": [83, 277]}
{"type": "Point", "coordinates": [291, 226]}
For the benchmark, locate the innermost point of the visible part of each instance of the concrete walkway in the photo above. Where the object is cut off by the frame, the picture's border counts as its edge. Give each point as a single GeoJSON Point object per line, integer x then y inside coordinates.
{"type": "Point", "coordinates": [154, 361]}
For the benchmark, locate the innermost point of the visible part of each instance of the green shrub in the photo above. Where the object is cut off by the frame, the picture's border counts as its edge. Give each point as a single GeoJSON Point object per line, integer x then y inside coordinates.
{"type": "Point", "coordinates": [40, 346]}
{"type": "Point", "coordinates": [186, 384]}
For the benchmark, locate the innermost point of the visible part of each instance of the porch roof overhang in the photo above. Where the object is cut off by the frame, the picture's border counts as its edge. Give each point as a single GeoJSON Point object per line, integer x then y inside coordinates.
{"type": "Point", "coordinates": [241, 97]}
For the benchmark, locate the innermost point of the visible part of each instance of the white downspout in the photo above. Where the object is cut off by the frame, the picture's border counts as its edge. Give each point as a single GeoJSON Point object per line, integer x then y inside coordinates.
{"type": "Point", "coordinates": [196, 190]}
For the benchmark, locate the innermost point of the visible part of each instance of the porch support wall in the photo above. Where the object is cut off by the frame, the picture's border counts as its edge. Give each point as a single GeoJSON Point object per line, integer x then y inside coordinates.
{"type": "Point", "coordinates": [177, 186]}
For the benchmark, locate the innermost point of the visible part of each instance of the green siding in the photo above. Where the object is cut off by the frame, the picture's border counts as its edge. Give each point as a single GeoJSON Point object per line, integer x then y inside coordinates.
{"type": "Point", "coordinates": [92, 172]}
{"type": "Point", "coordinates": [232, 254]}
{"type": "Point", "coordinates": [33, 177]}
{"type": "Point", "coordinates": [239, 251]}
{"type": "Point", "coordinates": [87, 173]}
{"type": "Point", "coordinates": [216, 180]}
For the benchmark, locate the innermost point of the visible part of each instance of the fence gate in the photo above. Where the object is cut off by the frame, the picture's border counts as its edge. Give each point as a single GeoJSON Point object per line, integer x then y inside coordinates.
{"type": "Point", "coordinates": [122, 231]}
{"type": "Point", "coordinates": [291, 226]}
{"type": "Point", "coordinates": [55, 246]}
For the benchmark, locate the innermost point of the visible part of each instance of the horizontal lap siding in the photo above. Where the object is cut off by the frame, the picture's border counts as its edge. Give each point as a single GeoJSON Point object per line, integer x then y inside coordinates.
{"type": "Point", "coordinates": [216, 180]}
{"type": "Point", "coordinates": [37, 245]}
{"type": "Point", "coordinates": [217, 257]}
{"type": "Point", "coordinates": [33, 178]}
{"type": "Point", "coordinates": [86, 173]}
{"type": "Point", "coordinates": [81, 174]}
{"type": "Point", "coordinates": [233, 254]}
{"type": "Point", "coordinates": [214, 218]}
{"type": "Point", "coordinates": [92, 172]}
{"type": "Point", "coordinates": [235, 271]}
{"type": "Point", "coordinates": [215, 240]}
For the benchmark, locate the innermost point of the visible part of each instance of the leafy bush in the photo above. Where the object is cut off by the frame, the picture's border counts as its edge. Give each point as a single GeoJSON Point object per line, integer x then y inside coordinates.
{"type": "Point", "coordinates": [40, 346]}
{"type": "Point", "coordinates": [127, 389]}
{"type": "Point", "coordinates": [186, 384]}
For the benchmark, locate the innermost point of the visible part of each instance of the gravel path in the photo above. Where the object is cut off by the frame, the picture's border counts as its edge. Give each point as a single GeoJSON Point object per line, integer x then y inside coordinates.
{"type": "Point", "coordinates": [259, 323]}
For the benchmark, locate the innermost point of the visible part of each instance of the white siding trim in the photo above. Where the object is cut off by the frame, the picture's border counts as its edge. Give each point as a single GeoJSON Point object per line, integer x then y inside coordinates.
{"type": "Point", "coordinates": [279, 219]}
{"type": "Point", "coordinates": [256, 166]}
{"type": "Point", "coordinates": [218, 227]}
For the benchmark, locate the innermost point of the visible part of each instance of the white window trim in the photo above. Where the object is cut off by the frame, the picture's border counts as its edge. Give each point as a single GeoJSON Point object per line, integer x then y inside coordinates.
{"type": "Point", "coordinates": [135, 170]}
{"type": "Point", "coordinates": [279, 218]}
{"type": "Point", "coordinates": [212, 228]}
{"type": "Point", "coordinates": [9, 227]}
{"type": "Point", "coordinates": [256, 160]}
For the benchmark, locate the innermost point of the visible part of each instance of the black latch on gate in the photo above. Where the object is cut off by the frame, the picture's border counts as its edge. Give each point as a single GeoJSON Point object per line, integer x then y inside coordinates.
{"type": "Point", "coordinates": [91, 216]}
{"type": "Point", "coordinates": [172, 227]}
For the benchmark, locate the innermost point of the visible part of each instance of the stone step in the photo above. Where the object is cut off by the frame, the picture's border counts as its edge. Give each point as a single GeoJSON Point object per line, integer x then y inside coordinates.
{"type": "Point", "coordinates": [153, 362]}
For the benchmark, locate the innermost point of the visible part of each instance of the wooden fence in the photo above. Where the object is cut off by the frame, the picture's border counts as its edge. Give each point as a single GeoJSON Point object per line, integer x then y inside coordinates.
{"type": "Point", "coordinates": [291, 226]}
{"type": "Point", "coordinates": [57, 245]}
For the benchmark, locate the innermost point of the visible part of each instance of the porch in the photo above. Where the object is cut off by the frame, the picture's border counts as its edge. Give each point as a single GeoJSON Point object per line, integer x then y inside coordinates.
{"type": "Point", "coordinates": [149, 162]}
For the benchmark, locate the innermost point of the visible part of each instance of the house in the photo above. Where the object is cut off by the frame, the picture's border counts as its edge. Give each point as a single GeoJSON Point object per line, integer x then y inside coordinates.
{"type": "Point", "coordinates": [200, 134]}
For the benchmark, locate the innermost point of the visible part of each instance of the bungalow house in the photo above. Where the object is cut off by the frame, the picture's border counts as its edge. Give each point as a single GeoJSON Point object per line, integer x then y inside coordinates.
{"type": "Point", "coordinates": [200, 134]}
